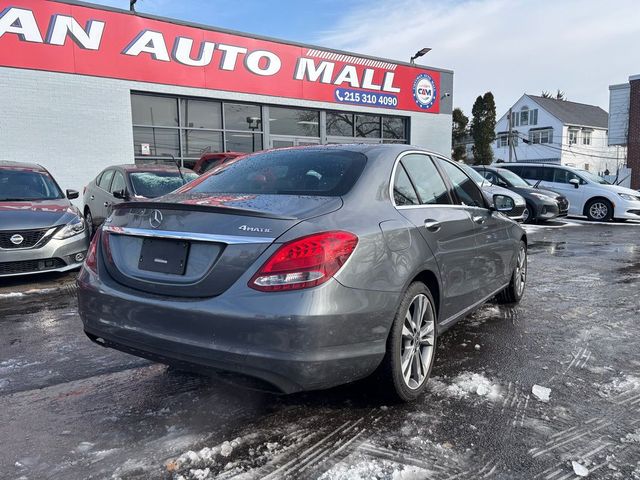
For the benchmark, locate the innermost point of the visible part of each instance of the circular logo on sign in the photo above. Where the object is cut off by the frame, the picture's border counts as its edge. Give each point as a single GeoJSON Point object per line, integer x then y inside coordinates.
{"type": "Point", "coordinates": [156, 218]}
{"type": "Point", "coordinates": [17, 239]}
{"type": "Point", "coordinates": [424, 91]}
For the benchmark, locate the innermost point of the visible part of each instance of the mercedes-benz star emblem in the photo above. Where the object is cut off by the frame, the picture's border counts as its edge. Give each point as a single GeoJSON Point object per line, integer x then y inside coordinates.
{"type": "Point", "coordinates": [155, 219]}
{"type": "Point", "coordinates": [17, 239]}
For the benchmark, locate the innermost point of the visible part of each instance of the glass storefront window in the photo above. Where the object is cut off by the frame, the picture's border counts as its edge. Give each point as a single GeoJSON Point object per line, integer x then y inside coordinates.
{"type": "Point", "coordinates": [197, 142]}
{"type": "Point", "coordinates": [291, 121]}
{"type": "Point", "coordinates": [201, 114]}
{"type": "Point", "coordinates": [393, 127]}
{"type": "Point", "coordinates": [153, 110]}
{"type": "Point", "coordinates": [243, 142]}
{"type": "Point", "coordinates": [155, 142]}
{"type": "Point", "coordinates": [239, 116]}
{"type": "Point", "coordinates": [368, 126]}
{"type": "Point", "coordinates": [340, 124]}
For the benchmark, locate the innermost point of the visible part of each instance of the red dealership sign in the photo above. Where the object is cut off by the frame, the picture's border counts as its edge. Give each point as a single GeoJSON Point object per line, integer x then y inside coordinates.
{"type": "Point", "coordinates": [53, 36]}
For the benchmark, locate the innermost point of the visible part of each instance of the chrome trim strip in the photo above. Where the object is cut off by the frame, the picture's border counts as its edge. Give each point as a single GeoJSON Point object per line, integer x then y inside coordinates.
{"type": "Point", "coordinates": [191, 236]}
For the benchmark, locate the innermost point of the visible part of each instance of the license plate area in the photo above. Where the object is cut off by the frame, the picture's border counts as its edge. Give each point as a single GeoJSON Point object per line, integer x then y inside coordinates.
{"type": "Point", "coordinates": [164, 256]}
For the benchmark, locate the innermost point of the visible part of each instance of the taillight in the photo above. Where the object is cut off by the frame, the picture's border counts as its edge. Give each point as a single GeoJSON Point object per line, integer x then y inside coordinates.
{"type": "Point", "coordinates": [91, 262]}
{"type": "Point", "coordinates": [305, 262]}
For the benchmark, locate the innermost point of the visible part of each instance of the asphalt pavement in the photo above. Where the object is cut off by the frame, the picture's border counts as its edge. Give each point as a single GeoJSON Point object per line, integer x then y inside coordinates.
{"type": "Point", "coordinates": [70, 409]}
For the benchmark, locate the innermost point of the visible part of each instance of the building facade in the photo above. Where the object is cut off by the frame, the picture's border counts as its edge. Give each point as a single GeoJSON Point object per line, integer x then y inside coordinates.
{"type": "Point", "coordinates": [86, 86]}
{"type": "Point", "coordinates": [624, 125]}
{"type": "Point", "coordinates": [549, 130]}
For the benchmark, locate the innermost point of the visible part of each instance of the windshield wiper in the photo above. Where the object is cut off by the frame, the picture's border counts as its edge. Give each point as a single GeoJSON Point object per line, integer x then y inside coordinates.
{"type": "Point", "coordinates": [15, 199]}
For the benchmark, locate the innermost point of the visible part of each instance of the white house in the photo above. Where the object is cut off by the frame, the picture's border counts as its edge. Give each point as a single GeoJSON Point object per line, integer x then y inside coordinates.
{"type": "Point", "coordinates": [548, 130]}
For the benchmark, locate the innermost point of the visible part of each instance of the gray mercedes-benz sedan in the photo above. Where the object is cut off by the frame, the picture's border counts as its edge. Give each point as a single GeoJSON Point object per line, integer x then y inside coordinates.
{"type": "Point", "coordinates": [40, 230]}
{"type": "Point", "coordinates": [305, 268]}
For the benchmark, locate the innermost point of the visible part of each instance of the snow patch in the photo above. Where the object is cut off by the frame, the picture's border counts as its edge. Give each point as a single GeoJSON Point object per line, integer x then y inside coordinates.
{"type": "Point", "coordinates": [367, 469]}
{"type": "Point", "coordinates": [620, 385]}
{"type": "Point", "coordinates": [541, 393]}
{"type": "Point", "coordinates": [632, 437]}
{"type": "Point", "coordinates": [466, 384]}
{"type": "Point", "coordinates": [579, 470]}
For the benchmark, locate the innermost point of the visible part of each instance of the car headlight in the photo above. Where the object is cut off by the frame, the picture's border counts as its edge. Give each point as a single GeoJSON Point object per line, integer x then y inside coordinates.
{"type": "Point", "coordinates": [74, 227]}
{"type": "Point", "coordinates": [627, 196]}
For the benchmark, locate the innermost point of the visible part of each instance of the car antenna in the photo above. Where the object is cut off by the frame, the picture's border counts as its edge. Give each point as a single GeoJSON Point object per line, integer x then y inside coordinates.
{"type": "Point", "coordinates": [537, 184]}
{"type": "Point", "coordinates": [177, 164]}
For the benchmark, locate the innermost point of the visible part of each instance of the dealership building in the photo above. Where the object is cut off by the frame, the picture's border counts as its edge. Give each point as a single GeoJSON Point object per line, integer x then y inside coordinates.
{"type": "Point", "coordinates": [85, 86]}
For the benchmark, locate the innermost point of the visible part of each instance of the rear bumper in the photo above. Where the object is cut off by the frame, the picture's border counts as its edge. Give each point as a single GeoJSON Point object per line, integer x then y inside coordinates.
{"type": "Point", "coordinates": [54, 256]}
{"type": "Point", "coordinates": [307, 340]}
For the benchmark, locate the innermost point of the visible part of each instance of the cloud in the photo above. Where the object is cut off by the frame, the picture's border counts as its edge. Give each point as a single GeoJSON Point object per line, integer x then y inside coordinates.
{"type": "Point", "coordinates": [507, 47]}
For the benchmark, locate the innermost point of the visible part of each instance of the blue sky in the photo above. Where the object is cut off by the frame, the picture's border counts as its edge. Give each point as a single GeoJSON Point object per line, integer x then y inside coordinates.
{"type": "Point", "coordinates": [286, 19]}
{"type": "Point", "coordinates": [509, 47]}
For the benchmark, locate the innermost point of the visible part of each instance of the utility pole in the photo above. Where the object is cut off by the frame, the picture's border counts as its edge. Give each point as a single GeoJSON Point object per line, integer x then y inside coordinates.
{"type": "Point", "coordinates": [132, 5]}
{"type": "Point", "coordinates": [509, 141]}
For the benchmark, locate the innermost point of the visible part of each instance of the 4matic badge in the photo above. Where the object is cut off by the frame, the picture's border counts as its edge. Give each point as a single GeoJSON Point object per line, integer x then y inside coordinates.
{"type": "Point", "coordinates": [424, 91]}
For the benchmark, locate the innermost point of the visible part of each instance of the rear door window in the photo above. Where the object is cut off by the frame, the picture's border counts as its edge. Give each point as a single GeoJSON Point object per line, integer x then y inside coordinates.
{"type": "Point", "coordinates": [118, 182]}
{"type": "Point", "coordinates": [403, 191]}
{"type": "Point", "coordinates": [466, 189]}
{"type": "Point", "coordinates": [322, 172]}
{"type": "Point", "coordinates": [429, 184]}
{"type": "Point", "coordinates": [105, 180]}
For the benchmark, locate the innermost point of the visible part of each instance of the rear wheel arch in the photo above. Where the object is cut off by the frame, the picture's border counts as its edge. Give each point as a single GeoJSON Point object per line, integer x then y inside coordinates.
{"type": "Point", "coordinates": [431, 281]}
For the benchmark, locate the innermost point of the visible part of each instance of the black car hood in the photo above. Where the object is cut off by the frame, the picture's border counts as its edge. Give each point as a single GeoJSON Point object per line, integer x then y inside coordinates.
{"type": "Point", "coordinates": [525, 190]}
{"type": "Point", "coordinates": [35, 214]}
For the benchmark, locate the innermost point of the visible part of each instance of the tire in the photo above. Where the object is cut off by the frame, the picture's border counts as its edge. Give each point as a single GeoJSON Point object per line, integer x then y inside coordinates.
{"type": "Point", "coordinates": [515, 290]}
{"type": "Point", "coordinates": [402, 341]}
{"type": "Point", "coordinates": [599, 210]}
{"type": "Point", "coordinates": [88, 220]}
{"type": "Point", "coordinates": [529, 214]}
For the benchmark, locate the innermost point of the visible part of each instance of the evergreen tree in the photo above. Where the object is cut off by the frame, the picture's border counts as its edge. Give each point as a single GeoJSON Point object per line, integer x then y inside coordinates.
{"type": "Point", "coordinates": [483, 128]}
{"type": "Point", "coordinates": [459, 133]}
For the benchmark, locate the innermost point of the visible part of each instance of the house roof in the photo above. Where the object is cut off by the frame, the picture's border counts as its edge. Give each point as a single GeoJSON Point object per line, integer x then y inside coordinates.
{"type": "Point", "coordinates": [573, 113]}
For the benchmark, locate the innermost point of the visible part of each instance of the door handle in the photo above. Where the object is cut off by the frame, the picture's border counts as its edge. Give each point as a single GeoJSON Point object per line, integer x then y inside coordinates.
{"type": "Point", "coordinates": [432, 225]}
{"type": "Point", "coordinates": [92, 197]}
{"type": "Point", "coordinates": [478, 219]}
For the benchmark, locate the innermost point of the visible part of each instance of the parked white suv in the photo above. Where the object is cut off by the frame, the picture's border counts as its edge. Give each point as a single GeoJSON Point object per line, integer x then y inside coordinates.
{"type": "Point", "coordinates": [589, 195]}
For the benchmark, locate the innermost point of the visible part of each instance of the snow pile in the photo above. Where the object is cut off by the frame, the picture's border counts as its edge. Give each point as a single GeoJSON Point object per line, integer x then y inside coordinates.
{"type": "Point", "coordinates": [466, 384]}
{"type": "Point", "coordinates": [367, 469]}
{"type": "Point", "coordinates": [620, 385]}
{"type": "Point", "coordinates": [632, 437]}
{"type": "Point", "coordinates": [204, 457]}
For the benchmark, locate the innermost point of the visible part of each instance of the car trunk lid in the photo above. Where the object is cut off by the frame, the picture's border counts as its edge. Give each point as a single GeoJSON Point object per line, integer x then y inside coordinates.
{"type": "Point", "coordinates": [197, 245]}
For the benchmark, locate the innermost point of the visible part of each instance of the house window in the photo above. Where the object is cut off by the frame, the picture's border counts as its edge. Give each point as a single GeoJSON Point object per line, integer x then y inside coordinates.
{"type": "Point", "coordinates": [503, 139]}
{"type": "Point", "coordinates": [524, 116]}
{"type": "Point", "coordinates": [573, 137]}
{"type": "Point", "coordinates": [541, 136]}
{"type": "Point", "coordinates": [586, 137]}
{"type": "Point", "coordinates": [533, 117]}
{"type": "Point", "coordinates": [515, 119]}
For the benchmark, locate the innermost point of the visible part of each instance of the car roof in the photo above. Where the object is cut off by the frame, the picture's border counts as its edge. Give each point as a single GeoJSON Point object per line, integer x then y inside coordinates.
{"type": "Point", "coordinates": [23, 165]}
{"type": "Point", "coordinates": [529, 164]}
{"type": "Point", "coordinates": [371, 150]}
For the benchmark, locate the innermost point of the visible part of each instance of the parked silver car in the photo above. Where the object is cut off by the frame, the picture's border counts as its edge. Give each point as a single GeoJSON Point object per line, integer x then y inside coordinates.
{"type": "Point", "coordinates": [304, 267]}
{"type": "Point", "coordinates": [40, 230]}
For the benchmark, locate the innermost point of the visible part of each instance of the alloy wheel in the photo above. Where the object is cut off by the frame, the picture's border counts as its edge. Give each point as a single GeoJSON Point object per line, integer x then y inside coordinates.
{"type": "Point", "coordinates": [418, 341]}
{"type": "Point", "coordinates": [599, 210]}
{"type": "Point", "coordinates": [521, 271]}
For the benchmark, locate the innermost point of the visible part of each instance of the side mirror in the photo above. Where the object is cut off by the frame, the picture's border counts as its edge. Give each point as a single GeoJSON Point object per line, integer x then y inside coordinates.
{"type": "Point", "coordinates": [121, 194]}
{"type": "Point", "coordinates": [575, 182]}
{"type": "Point", "coordinates": [71, 194]}
{"type": "Point", "coordinates": [503, 203]}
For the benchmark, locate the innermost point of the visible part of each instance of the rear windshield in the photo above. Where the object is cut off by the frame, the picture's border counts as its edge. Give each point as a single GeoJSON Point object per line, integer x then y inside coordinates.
{"type": "Point", "coordinates": [24, 184]}
{"type": "Point", "coordinates": [285, 172]}
{"type": "Point", "coordinates": [156, 184]}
